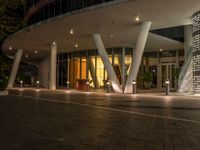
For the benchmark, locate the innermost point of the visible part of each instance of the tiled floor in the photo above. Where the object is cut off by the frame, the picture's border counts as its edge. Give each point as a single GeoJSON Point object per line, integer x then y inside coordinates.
{"type": "Point", "coordinates": [45, 120]}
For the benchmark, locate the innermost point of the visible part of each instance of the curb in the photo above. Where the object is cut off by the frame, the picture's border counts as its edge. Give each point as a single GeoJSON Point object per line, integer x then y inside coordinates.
{"type": "Point", "coordinates": [3, 93]}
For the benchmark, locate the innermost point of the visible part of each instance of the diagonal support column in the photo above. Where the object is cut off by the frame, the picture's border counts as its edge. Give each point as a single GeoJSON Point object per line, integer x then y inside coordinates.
{"type": "Point", "coordinates": [108, 66]}
{"type": "Point", "coordinates": [137, 56]}
{"type": "Point", "coordinates": [92, 72]}
{"type": "Point", "coordinates": [14, 69]}
{"type": "Point", "coordinates": [53, 63]}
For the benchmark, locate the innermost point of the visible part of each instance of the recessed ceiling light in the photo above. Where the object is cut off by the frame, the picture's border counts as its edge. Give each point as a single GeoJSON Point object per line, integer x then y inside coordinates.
{"type": "Point", "coordinates": [10, 47]}
{"type": "Point", "coordinates": [111, 35]}
{"type": "Point", "coordinates": [161, 50]}
{"type": "Point", "coordinates": [26, 56]}
{"type": "Point", "coordinates": [137, 18]}
{"type": "Point", "coordinates": [76, 45]}
{"type": "Point", "coordinates": [36, 51]}
{"type": "Point", "coordinates": [71, 31]}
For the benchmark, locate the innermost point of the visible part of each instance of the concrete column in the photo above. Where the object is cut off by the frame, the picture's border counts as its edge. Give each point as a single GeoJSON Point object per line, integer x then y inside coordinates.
{"type": "Point", "coordinates": [87, 65]}
{"type": "Point", "coordinates": [92, 73]}
{"type": "Point", "coordinates": [187, 38]}
{"type": "Point", "coordinates": [123, 67]}
{"type": "Point", "coordinates": [14, 69]}
{"type": "Point", "coordinates": [43, 72]}
{"type": "Point", "coordinates": [53, 62]}
{"type": "Point", "coordinates": [140, 45]}
{"type": "Point", "coordinates": [108, 66]}
{"type": "Point", "coordinates": [159, 72]}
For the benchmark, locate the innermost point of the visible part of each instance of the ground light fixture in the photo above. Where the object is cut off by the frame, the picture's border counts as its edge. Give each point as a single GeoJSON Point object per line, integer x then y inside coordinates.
{"type": "Point", "coordinates": [134, 86]}
{"type": "Point", "coordinates": [67, 85]}
{"type": "Point", "coordinates": [88, 85]}
{"type": "Point", "coordinates": [108, 86]}
{"type": "Point", "coordinates": [38, 84]}
{"type": "Point", "coordinates": [167, 90]}
{"type": "Point", "coordinates": [21, 84]}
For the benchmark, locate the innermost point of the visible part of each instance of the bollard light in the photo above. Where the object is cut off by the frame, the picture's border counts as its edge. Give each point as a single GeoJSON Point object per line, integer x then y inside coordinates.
{"type": "Point", "coordinates": [108, 86]}
{"type": "Point", "coordinates": [134, 87]}
{"type": "Point", "coordinates": [67, 85]}
{"type": "Point", "coordinates": [38, 84]}
{"type": "Point", "coordinates": [88, 85]}
{"type": "Point", "coordinates": [21, 84]}
{"type": "Point", "coordinates": [167, 90]}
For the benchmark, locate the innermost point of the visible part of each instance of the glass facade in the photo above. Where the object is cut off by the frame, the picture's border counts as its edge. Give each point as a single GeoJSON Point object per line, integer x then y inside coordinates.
{"type": "Point", "coordinates": [39, 10]}
{"type": "Point", "coordinates": [87, 65]}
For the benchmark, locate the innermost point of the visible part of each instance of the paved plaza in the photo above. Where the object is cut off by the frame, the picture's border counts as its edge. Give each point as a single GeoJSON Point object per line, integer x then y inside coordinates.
{"type": "Point", "coordinates": [64, 120]}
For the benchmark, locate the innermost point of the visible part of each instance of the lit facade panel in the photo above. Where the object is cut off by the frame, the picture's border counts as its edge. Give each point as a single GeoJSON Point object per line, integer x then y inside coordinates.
{"type": "Point", "coordinates": [196, 52]}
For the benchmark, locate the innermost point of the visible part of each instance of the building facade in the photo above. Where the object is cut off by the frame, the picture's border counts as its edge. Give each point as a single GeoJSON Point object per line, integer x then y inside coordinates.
{"type": "Point", "coordinates": [116, 41]}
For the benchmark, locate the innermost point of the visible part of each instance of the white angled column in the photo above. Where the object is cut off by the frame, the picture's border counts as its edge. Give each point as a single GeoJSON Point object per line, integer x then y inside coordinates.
{"type": "Point", "coordinates": [14, 69]}
{"type": "Point", "coordinates": [108, 66]}
{"type": "Point", "coordinates": [53, 62]}
{"type": "Point", "coordinates": [137, 56]}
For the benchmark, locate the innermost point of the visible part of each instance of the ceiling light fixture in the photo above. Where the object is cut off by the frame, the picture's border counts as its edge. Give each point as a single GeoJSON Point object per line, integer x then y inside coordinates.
{"type": "Point", "coordinates": [161, 50]}
{"type": "Point", "coordinates": [10, 47]}
{"type": "Point", "coordinates": [76, 45]}
{"type": "Point", "coordinates": [137, 18]}
{"type": "Point", "coordinates": [71, 31]}
{"type": "Point", "coordinates": [26, 56]}
{"type": "Point", "coordinates": [111, 36]}
{"type": "Point", "coordinates": [36, 51]}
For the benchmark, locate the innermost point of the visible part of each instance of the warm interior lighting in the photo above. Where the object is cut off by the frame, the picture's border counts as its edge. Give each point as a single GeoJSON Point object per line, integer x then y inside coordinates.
{"type": "Point", "coordinates": [10, 47]}
{"type": "Point", "coordinates": [36, 51]}
{"type": "Point", "coordinates": [38, 82]}
{"type": "Point", "coordinates": [161, 50]}
{"type": "Point", "coordinates": [26, 56]}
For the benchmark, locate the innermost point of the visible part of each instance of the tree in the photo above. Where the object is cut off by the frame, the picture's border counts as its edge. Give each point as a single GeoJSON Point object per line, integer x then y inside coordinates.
{"type": "Point", "coordinates": [11, 16]}
{"type": "Point", "coordinates": [11, 20]}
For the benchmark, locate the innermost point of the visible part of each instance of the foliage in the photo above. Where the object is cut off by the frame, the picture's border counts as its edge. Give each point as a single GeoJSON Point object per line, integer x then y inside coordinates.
{"type": "Point", "coordinates": [11, 16]}
{"type": "Point", "coordinates": [147, 76]}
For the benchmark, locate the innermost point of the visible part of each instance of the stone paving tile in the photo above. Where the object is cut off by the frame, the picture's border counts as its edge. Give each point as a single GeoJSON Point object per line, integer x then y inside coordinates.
{"type": "Point", "coordinates": [27, 123]}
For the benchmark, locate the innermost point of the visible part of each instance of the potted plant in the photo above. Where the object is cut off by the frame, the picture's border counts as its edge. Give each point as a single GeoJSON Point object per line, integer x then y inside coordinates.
{"type": "Point", "coordinates": [147, 79]}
